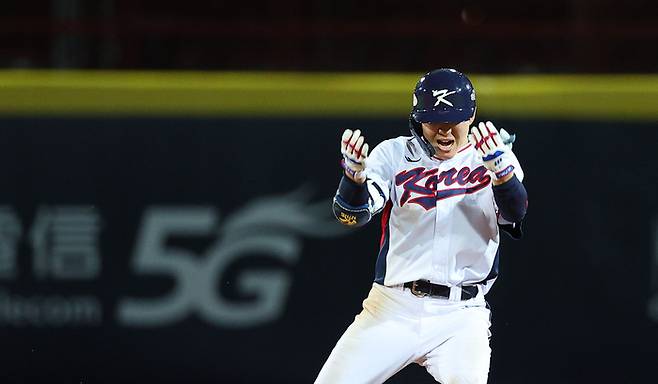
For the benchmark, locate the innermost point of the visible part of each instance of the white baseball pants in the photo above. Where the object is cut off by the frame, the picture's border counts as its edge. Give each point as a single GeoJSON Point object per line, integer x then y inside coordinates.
{"type": "Point", "coordinates": [450, 338]}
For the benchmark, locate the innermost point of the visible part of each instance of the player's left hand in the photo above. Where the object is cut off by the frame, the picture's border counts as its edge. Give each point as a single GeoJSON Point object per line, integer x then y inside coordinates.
{"type": "Point", "coordinates": [495, 150]}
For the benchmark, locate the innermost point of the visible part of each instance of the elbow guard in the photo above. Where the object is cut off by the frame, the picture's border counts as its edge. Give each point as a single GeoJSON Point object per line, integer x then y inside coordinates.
{"type": "Point", "coordinates": [352, 216]}
{"type": "Point", "coordinates": [351, 203]}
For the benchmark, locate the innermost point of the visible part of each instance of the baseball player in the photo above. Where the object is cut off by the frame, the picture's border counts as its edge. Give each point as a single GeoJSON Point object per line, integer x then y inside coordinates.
{"type": "Point", "coordinates": [444, 195]}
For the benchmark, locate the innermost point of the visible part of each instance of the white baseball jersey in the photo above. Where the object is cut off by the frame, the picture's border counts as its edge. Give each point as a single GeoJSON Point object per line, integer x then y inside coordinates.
{"type": "Point", "coordinates": [439, 219]}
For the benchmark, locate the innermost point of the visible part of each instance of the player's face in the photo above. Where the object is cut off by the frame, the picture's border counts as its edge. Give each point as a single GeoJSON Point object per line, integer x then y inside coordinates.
{"type": "Point", "coordinates": [447, 138]}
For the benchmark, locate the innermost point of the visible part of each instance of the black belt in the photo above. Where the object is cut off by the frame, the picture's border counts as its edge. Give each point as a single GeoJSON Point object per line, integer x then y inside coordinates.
{"type": "Point", "coordinates": [423, 288]}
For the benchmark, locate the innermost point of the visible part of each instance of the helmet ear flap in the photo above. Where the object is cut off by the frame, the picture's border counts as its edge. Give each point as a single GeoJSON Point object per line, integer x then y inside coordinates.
{"type": "Point", "coordinates": [416, 129]}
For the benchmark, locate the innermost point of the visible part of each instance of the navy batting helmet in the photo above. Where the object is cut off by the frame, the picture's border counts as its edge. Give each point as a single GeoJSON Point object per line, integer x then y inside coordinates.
{"type": "Point", "coordinates": [442, 96]}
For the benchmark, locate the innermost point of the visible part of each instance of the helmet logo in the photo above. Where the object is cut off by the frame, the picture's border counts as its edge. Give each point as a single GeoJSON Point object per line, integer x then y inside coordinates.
{"type": "Point", "coordinates": [440, 96]}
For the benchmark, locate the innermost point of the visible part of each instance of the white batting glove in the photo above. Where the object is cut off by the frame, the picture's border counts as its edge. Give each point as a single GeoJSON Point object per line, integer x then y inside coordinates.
{"type": "Point", "coordinates": [355, 151]}
{"type": "Point", "coordinates": [496, 155]}
{"type": "Point", "coordinates": [508, 139]}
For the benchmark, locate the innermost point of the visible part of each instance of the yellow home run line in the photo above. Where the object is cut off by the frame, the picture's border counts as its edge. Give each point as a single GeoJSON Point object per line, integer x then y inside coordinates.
{"type": "Point", "coordinates": [293, 94]}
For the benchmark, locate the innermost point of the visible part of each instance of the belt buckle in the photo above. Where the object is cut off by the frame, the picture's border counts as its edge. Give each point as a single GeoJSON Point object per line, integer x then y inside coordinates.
{"type": "Point", "coordinates": [415, 292]}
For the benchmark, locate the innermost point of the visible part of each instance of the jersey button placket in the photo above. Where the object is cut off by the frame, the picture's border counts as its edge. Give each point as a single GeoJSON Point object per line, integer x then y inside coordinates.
{"type": "Point", "coordinates": [439, 253]}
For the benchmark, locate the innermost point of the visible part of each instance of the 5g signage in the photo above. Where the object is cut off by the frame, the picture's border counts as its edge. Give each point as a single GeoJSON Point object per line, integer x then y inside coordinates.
{"type": "Point", "coordinates": [270, 226]}
{"type": "Point", "coordinates": [196, 277]}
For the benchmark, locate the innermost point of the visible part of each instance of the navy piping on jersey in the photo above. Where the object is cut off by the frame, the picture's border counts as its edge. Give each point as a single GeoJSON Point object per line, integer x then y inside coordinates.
{"type": "Point", "coordinates": [380, 265]}
{"type": "Point", "coordinates": [381, 193]}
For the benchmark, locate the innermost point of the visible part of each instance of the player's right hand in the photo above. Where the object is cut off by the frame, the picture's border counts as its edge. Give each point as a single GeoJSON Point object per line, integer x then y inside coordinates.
{"type": "Point", "coordinates": [355, 151]}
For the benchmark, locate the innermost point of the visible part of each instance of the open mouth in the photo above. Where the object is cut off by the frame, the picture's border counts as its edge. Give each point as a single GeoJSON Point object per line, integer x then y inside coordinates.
{"type": "Point", "coordinates": [445, 145]}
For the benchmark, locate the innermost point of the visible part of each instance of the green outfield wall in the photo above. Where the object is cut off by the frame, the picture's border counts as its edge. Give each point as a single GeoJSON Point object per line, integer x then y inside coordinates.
{"type": "Point", "coordinates": [291, 94]}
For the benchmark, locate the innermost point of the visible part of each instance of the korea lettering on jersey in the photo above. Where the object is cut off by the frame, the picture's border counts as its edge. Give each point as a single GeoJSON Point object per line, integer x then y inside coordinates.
{"type": "Point", "coordinates": [439, 219]}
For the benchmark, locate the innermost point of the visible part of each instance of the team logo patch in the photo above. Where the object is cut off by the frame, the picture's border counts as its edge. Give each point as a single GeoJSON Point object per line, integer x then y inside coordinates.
{"type": "Point", "coordinates": [421, 185]}
{"type": "Point", "coordinates": [441, 95]}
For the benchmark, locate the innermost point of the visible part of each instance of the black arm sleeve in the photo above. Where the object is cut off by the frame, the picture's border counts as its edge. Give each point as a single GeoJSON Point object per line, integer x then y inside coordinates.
{"type": "Point", "coordinates": [512, 200]}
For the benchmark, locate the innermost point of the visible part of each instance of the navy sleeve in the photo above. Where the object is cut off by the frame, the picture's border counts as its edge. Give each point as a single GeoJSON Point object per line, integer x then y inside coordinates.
{"type": "Point", "coordinates": [512, 200]}
{"type": "Point", "coordinates": [353, 193]}
{"type": "Point", "coordinates": [351, 203]}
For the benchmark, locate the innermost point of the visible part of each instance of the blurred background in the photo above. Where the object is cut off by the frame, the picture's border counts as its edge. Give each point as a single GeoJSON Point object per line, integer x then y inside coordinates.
{"type": "Point", "coordinates": [168, 169]}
